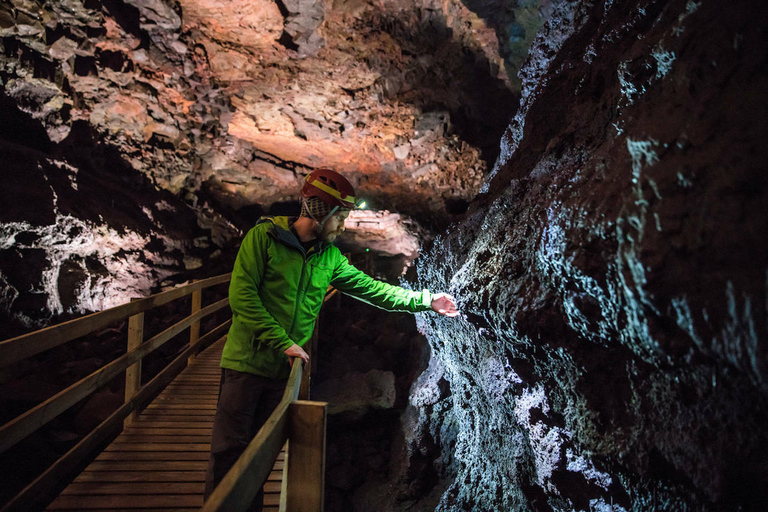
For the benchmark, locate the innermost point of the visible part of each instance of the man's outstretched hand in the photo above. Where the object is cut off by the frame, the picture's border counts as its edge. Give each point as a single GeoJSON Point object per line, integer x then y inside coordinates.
{"type": "Point", "coordinates": [444, 304]}
{"type": "Point", "coordinates": [296, 351]}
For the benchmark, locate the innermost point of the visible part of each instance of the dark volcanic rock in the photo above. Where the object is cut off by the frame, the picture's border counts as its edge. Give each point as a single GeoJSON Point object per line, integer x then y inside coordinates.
{"type": "Point", "coordinates": [612, 352]}
{"type": "Point", "coordinates": [80, 231]}
{"type": "Point", "coordinates": [303, 18]}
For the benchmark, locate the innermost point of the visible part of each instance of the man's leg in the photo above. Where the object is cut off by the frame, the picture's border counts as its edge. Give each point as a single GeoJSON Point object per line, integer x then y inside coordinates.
{"type": "Point", "coordinates": [270, 399]}
{"type": "Point", "coordinates": [238, 400]}
{"type": "Point", "coordinates": [245, 403]}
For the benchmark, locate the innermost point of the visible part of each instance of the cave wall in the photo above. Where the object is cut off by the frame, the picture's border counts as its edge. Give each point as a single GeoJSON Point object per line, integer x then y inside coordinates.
{"type": "Point", "coordinates": [81, 231]}
{"type": "Point", "coordinates": [612, 275]}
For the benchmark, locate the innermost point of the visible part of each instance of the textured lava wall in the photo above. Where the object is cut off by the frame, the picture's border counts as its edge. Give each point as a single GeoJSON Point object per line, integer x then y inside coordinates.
{"type": "Point", "coordinates": [612, 352]}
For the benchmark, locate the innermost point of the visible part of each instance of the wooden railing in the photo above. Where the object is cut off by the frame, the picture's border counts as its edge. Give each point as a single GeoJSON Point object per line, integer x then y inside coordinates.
{"type": "Point", "coordinates": [300, 422]}
{"type": "Point", "coordinates": [22, 347]}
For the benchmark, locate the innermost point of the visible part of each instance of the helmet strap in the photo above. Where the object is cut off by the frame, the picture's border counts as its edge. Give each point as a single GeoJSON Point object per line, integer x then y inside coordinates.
{"type": "Point", "coordinates": [321, 224]}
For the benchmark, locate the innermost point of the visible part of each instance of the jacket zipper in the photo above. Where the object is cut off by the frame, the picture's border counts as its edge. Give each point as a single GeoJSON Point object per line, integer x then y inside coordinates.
{"type": "Point", "coordinates": [301, 294]}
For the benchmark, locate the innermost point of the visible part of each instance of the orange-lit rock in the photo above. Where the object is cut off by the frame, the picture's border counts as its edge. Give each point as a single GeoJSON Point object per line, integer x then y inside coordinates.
{"type": "Point", "coordinates": [251, 24]}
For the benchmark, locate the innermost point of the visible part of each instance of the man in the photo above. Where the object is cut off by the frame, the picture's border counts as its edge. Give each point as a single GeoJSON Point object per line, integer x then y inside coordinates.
{"type": "Point", "coordinates": [279, 280]}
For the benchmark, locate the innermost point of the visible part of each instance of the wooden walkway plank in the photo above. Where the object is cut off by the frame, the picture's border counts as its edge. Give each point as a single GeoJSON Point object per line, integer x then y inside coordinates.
{"type": "Point", "coordinates": [138, 502]}
{"type": "Point", "coordinates": [137, 456]}
{"type": "Point", "coordinates": [154, 476]}
{"type": "Point", "coordinates": [181, 407]}
{"type": "Point", "coordinates": [145, 488]}
{"type": "Point", "coordinates": [140, 476]}
{"type": "Point", "coordinates": [132, 439]}
{"type": "Point", "coordinates": [176, 424]}
{"type": "Point", "coordinates": [165, 431]}
{"type": "Point", "coordinates": [155, 465]}
{"type": "Point", "coordinates": [165, 447]}
{"type": "Point", "coordinates": [160, 459]}
{"type": "Point", "coordinates": [183, 417]}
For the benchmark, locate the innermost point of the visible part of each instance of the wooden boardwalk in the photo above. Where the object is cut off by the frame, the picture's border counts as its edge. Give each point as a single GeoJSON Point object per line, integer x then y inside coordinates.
{"type": "Point", "coordinates": [159, 461]}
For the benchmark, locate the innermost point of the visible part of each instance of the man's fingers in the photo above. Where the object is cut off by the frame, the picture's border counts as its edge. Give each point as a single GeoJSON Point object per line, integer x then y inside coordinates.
{"type": "Point", "coordinates": [295, 351]}
{"type": "Point", "coordinates": [303, 358]}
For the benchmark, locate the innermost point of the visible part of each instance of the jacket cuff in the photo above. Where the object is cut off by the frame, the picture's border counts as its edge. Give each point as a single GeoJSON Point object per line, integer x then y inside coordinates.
{"type": "Point", "coordinates": [426, 300]}
{"type": "Point", "coordinates": [284, 345]}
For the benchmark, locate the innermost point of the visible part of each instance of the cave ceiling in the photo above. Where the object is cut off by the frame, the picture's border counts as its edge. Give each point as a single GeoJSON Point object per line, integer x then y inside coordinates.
{"type": "Point", "coordinates": [236, 101]}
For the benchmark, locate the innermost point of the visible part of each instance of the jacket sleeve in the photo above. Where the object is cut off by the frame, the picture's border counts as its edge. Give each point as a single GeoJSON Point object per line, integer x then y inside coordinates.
{"type": "Point", "coordinates": [244, 298]}
{"type": "Point", "coordinates": [350, 280]}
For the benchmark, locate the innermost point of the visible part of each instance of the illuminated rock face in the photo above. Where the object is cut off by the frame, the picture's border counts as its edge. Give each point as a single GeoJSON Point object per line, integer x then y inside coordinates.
{"type": "Point", "coordinates": [237, 101]}
{"type": "Point", "coordinates": [79, 234]}
{"type": "Point", "coordinates": [612, 352]}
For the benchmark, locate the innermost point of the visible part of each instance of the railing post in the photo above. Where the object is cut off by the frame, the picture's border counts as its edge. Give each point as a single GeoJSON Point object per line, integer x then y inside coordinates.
{"type": "Point", "coordinates": [133, 372]}
{"type": "Point", "coordinates": [194, 329]}
{"type": "Point", "coordinates": [306, 456]}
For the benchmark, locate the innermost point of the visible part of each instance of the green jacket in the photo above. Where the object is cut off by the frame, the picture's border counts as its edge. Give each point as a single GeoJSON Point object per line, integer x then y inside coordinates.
{"type": "Point", "coordinates": [276, 292]}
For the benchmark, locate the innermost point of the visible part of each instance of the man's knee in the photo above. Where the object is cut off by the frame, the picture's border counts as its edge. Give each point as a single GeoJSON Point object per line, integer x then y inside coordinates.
{"type": "Point", "coordinates": [231, 430]}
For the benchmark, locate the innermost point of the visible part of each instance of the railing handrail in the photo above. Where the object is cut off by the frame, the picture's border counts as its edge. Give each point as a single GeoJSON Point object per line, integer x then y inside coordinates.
{"type": "Point", "coordinates": [34, 493]}
{"type": "Point", "coordinates": [237, 489]}
{"type": "Point", "coordinates": [22, 426]}
{"type": "Point", "coordinates": [27, 345]}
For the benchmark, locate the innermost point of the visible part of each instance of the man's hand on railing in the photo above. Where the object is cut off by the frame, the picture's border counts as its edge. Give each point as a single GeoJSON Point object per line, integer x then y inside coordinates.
{"type": "Point", "coordinates": [296, 351]}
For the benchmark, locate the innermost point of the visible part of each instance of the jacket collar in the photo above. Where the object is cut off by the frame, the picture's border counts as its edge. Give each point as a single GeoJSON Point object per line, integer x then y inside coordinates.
{"type": "Point", "coordinates": [280, 230]}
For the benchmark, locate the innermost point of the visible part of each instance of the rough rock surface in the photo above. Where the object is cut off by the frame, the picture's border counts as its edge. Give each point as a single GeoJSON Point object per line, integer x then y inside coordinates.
{"type": "Point", "coordinates": [612, 351]}
{"type": "Point", "coordinates": [205, 95]}
{"type": "Point", "coordinates": [612, 275]}
{"type": "Point", "coordinates": [80, 232]}
{"type": "Point", "coordinates": [227, 105]}
{"type": "Point", "coordinates": [386, 234]}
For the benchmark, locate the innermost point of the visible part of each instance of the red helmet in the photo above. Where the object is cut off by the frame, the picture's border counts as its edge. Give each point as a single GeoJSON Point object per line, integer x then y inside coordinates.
{"type": "Point", "coordinates": [331, 187]}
